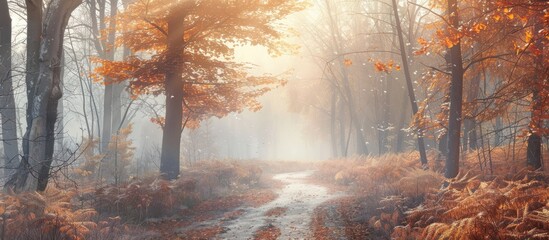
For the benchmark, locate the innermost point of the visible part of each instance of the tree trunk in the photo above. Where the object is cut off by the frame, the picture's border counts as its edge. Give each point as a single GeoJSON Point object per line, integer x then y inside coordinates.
{"type": "Point", "coordinates": [456, 97]}
{"type": "Point", "coordinates": [386, 113]}
{"type": "Point", "coordinates": [60, 127]}
{"type": "Point", "coordinates": [34, 31]}
{"type": "Point", "coordinates": [473, 137]}
{"type": "Point", "coordinates": [467, 125]}
{"type": "Point", "coordinates": [118, 88]}
{"type": "Point", "coordinates": [45, 93]}
{"type": "Point", "coordinates": [401, 124]}
{"type": "Point", "coordinates": [411, 94]}
{"type": "Point", "coordinates": [342, 144]}
{"type": "Point", "coordinates": [7, 100]}
{"type": "Point", "coordinates": [107, 115]}
{"type": "Point", "coordinates": [109, 49]}
{"type": "Point", "coordinates": [443, 139]}
{"type": "Point", "coordinates": [362, 148]}
{"type": "Point", "coordinates": [470, 123]}
{"type": "Point", "coordinates": [333, 118]}
{"type": "Point", "coordinates": [443, 144]}
{"type": "Point", "coordinates": [52, 114]}
{"type": "Point", "coordinates": [533, 150]}
{"type": "Point", "coordinates": [498, 130]}
{"type": "Point", "coordinates": [171, 138]}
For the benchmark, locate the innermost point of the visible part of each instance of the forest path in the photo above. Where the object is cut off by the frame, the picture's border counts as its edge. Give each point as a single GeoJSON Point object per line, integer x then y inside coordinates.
{"type": "Point", "coordinates": [295, 204]}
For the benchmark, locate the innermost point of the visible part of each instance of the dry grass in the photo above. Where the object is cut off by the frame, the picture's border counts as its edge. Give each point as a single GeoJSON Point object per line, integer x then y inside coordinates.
{"type": "Point", "coordinates": [473, 209]}
{"type": "Point", "coordinates": [205, 191]}
{"type": "Point", "coordinates": [385, 175]}
{"type": "Point", "coordinates": [500, 200]}
{"type": "Point", "coordinates": [51, 215]}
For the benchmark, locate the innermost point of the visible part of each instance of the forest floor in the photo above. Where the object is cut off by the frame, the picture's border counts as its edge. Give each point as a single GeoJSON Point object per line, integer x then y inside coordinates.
{"type": "Point", "coordinates": [385, 197]}
{"type": "Point", "coordinates": [288, 216]}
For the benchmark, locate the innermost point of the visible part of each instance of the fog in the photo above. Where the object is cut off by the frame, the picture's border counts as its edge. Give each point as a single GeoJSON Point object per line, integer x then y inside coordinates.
{"type": "Point", "coordinates": [281, 130]}
{"type": "Point", "coordinates": [335, 102]}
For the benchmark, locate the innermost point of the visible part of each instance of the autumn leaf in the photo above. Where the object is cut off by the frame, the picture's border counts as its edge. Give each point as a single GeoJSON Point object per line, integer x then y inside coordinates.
{"type": "Point", "coordinates": [449, 43]}
{"type": "Point", "coordinates": [479, 27]}
{"type": "Point", "coordinates": [422, 41]}
{"type": "Point", "coordinates": [420, 51]}
{"type": "Point", "coordinates": [380, 67]}
{"type": "Point", "coordinates": [528, 36]}
{"type": "Point", "coordinates": [347, 62]}
{"type": "Point", "coordinates": [220, 85]}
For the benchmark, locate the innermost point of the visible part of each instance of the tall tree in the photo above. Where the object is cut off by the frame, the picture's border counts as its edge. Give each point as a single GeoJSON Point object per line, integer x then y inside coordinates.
{"type": "Point", "coordinates": [7, 100]}
{"type": "Point", "coordinates": [44, 93]}
{"type": "Point", "coordinates": [104, 30]}
{"type": "Point", "coordinates": [408, 77]}
{"type": "Point", "coordinates": [456, 95]}
{"type": "Point", "coordinates": [171, 137]}
{"type": "Point", "coordinates": [192, 44]}
{"type": "Point", "coordinates": [108, 53]}
{"type": "Point", "coordinates": [533, 151]}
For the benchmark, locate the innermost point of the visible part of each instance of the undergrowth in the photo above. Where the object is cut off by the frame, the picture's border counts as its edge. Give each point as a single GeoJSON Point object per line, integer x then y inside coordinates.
{"type": "Point", "coordinates": [113, 211]}
{"type": "Point", "coordinates": [395, 198]}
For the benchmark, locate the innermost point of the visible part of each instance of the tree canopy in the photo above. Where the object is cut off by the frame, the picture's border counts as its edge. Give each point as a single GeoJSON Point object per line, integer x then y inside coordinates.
{"type": "Point", "coordinates": [214, 84]}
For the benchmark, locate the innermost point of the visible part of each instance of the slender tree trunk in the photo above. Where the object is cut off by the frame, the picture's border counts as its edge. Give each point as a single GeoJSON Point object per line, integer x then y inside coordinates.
{"type": "Point", "coordinates": [342, 144]}
{"type": "Point", "coordinates": [411, 94]}
{"type": "Point", "coordinates": [443, 144]}
{"type": "Point", "coordinates": [171, 138]}
{"type": "Point", "coordinates": [107, 115]}
{"type": "Point", "coordinates": [456, 97]}
{"type": "Point", "coordinates": [333, 118]}
{"type": "Point", "coordinates": [401, 125]}
{"type": "Point", "coordinates": [60, 127]}
{"type": "Point", "coordinates": [34, 31]}
{"type": "Point", "coordinates": [362, 148]}
{"type": "Point", "coordinates": [443, 139]}
{"type": "Point", "coordinates": [498, 130]}
{"type": "Point", "coordinates": [469, 122]}
{"type": "Point", "coordinates": [384, 144]}
{"type": "Point", "coordinates": [45, 93]}
{"type": "Point", "coordinates": [118, 89]}
{"type": "Point", "coordinates": [533, 150]}
{"type": "Point", "coordinates": [108, 101]}
{"type": "Point", "coordinates": [467, 125]}
{"type": "Point", "coordinates": [7, 100]}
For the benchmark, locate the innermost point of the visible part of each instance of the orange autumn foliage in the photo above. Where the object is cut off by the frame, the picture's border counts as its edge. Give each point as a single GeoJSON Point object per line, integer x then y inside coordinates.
{"type": "Point", "coordinates": [397, 200]}
{"type": "Point", "coordinates": [214, 84]}
{"type": "Point", "coordinates": [500, 46]}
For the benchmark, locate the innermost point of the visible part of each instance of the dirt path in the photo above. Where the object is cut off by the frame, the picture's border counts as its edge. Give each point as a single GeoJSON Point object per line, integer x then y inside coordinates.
{"type": "Point", "coordinates": [296, 202]}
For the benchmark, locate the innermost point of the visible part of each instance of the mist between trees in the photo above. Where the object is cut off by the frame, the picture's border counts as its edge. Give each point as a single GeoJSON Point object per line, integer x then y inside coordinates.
{"type": "Point", "coordinates": [109, 91]}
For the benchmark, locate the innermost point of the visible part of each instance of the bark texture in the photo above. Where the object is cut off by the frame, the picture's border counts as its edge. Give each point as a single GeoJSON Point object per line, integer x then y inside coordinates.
{"type": "Point", "coordinates": [456, 97]}
{"type": "Point", "coordinates": [7, 101]}
{"type": "Point", "coordinates": [109, 93]}
{"type": "Point", "coordinates": [171, 137]}
{"type": "Point", "coordinates": [44, 93]}
{"type": "Point", "coordinates": [533, 150]}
